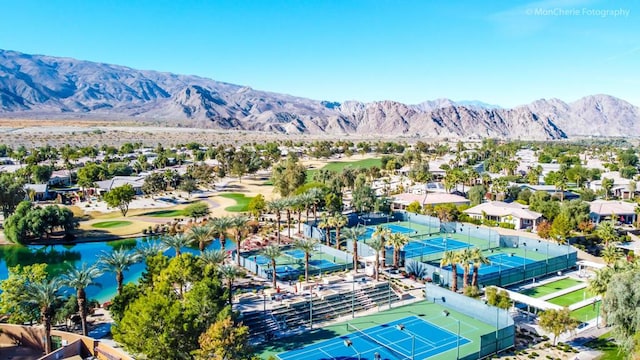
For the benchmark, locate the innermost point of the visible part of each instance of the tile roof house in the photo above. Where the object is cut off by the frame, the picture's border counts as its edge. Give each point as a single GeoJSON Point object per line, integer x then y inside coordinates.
{"type": "Point", "coordinates": [401, 201]}
{"type": "Point", "coordinates": [600, 210]}
{"type": "Point", "coordinates": [135, 181]}
{"type": "Point", "coordinates": [514, 213]}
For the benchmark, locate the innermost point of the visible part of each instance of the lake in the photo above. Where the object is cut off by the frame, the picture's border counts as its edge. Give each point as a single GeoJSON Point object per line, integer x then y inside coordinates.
{"type": "Point", "coordinates": [59, 257]}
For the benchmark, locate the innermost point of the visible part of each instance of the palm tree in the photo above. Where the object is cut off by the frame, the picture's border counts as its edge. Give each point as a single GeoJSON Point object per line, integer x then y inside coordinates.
{"type": "Point", "coordinates": [239, 224]}
{"type": "Point", "coordinates": [229, 273]}
{"type": "Point", "coordinates": [316, 194]}
{"type": "Point", "coordinates": [290, 204]}
{"type": "Point", "coordinates": [299, 206]}
{"type": "Point", "coordinates": [325, 223]}
{"type": "Point", "coordinates": [377, 244]}
{"type": "Point", "coordinates": [465, 258]}
{"type": "Point", "coordinates": [201, 235]}
{"type": "Point", "coordinates": [355, 233]}
{"type": "Point", "coordinates": [610, 254]}
{"type": "Point", "coordinates": [118, 261]}
{"type": "Point", "coordinates": [397, 241]}
{"type": "Point", "coordinates": [339, 221]}
{"type": "Point", "coordinates": [307, 202]}
{"type": "Point", "coordinates": [275, 207]}
{"type": "Point", "coordinates": [382, 233]}
{"type": "Point", "coordinates": [44, 295]}
{"type": "Point", "coordinates": [272, 252]}
{"type": "Point", "coordinates": [80, 279]}
{"type": "Point", "coordinates": [149, 248]}
{"type": "Point", "coordinates": [220, 226]}
{"type": "Point", "coordinates": [451, 258]}
{"type": "Point", "coordinates": [478, 260]}
{"type": "Point", "coordinates": [213, 258]}
{"type": "Point", "coordinates": [177, 242]}
{"type": "Point", "coordinates": [607, 232]}
{"type": "Point", "coordinates": [308, 245]}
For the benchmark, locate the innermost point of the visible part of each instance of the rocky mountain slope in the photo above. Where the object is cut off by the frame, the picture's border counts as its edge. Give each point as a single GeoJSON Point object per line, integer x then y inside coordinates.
{"type": "Point", "coordinates": [37, 86]}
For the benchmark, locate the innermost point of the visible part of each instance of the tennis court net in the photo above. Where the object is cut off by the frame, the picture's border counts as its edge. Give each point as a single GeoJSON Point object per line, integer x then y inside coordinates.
{"type": "Point", "coordinates": [399, 354]}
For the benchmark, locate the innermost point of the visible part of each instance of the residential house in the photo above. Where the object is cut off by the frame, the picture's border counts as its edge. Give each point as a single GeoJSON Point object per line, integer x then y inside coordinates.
{"type": "Point", "coordinates": [551, 189]}
{"type": "Point", "coordinates": [624, 212]}
{"type": "Point", "coordinates": [514, 213]}
{"type": "Point", "coordinates": [401, 201]}
{"type": "Point", "coordinates": [60, 178]}
{"type": "Point", "coordinates": [135, 181]}
{"type": "Point", "coordinates": [622, 188]}
{"type": "Point", "coordinates": [37, 192]}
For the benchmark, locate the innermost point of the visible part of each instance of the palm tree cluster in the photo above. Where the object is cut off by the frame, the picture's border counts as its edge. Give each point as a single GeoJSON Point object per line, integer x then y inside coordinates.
{"type": "Point", "coordinates": [465, 258]}
{"type": "Point", "coordinates": [294, 204]}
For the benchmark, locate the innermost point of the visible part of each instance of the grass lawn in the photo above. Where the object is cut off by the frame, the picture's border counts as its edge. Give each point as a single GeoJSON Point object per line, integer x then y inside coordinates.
{"type": "Point", "coordinates": [111, 224]}
{"type": "Point", "coordinates": [586, 313]}
{"type": "Point", "coordinates": [242, 202]}
{"type": "Point", "coordinates": [571, 298]}
{"type": "Point", "coordinates": [550, 288]}
{"type": "Point", "coordinates": [164, 213]}
{"type": "Point", "coordinates": [337, 166]}
{"type": "Point", "coordinates": [609, 348]}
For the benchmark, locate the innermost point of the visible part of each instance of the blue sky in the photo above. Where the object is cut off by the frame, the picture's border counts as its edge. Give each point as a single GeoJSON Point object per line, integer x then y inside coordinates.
{"type": "Point", "coordinates": [500, 52]}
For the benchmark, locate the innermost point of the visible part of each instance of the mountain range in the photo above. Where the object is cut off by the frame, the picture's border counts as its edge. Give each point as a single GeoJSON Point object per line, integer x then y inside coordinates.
{"type": "Point", "coordinates": [38, 86]}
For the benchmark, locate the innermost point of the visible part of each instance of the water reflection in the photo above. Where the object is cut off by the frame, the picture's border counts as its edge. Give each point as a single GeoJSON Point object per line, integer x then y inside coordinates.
{"type": "Point", "coordinates": [59, 257]}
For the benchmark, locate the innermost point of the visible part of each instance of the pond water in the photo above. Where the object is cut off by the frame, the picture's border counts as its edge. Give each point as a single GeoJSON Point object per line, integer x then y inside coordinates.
{"type": "Point", "coordinates": [59, 257]}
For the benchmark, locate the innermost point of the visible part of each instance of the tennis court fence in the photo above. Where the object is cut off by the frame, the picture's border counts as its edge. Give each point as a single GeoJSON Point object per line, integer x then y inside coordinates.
{"type": "Point", "coordinates": [502, 339]}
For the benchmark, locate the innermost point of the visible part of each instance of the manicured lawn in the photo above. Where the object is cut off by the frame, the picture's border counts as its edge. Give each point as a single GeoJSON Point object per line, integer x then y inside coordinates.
{"type": "Point", "coordinates": [609, 348]}
{"type": "Point", "coordinates": [338, 166]}
{"type": "Point", "coordinates": [586, 313]}
{"type": "Point", "coordinates": [242, 202]}
{"type": "Point", "coordinates": [550, 288]}
{"type": "Point", "coordinates": [164, 213]}
{"type": "Point", "coordinates": [111, 224]}
{"type": "Point", "coordinates": [571, 298]}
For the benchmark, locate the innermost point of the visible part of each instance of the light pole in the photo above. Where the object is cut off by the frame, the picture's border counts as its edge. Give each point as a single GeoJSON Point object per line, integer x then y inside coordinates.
{"type": "Point", "coordinates": [446, 314]}
{"type": "Point", "coordinates": [597, 314]}
{"type": "Point", "coordinates": [311, 307]}
{"type": "Point", "coordinates": [401, 327]}
{"type": "Point", "coordinates": [349, 343]}
{"type": "Point", "coordinates": [525, 261]}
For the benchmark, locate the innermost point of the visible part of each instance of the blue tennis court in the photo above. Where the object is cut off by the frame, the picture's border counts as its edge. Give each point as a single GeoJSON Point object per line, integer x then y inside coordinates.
{"type": "Point", "coordinates": [392, 227]}
{"type": "Point", "coordinates": [390, 342]}
{"type": "Point", "coordinates": [509, 260]}
{"type": "Point", "coordinates": [322, 264]}
{"type": "Point", "coordinates": [261, 260]}
{"type": "Point", "coordinates": [295, 253]}
{"type": "Point", "coordinates": [416, 249]}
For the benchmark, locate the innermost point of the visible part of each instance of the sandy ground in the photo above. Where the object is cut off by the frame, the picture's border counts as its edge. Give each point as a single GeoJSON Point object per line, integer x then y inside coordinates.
{"type": "Point", "coordinates": [30, 133]}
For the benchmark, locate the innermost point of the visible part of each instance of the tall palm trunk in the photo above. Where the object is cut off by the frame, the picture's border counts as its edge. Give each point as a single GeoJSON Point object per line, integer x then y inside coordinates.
{"type": "Point", "coordinates": [396, 257]}
{"type": "Point", "coordinates": [355, 255]}
{"type": "Point", "coordinates": [119, 280]}
{"type": "Point", "coordinates": [377, 270]}
{"type": "Point", "coordinates": [223, 240]}
{"type": "Point", "coordinates": [454, 273]}
{"type": "Point", "coordinates": [299, 220]}
{"type": "Point", "coordinates": [465, 275]}
{"type": "Point", "coordinates": [230, 286]}
{"type": "Point", "coordinates": [289, 223]}
{"type": "Point", "coordinates": [384, 256]}
{"type": "Point", "coordinates": [47, 314]}
{"type": "Point", "coordinates": [315, 213]}
{"type": "Point", "coordinates": [82, 306]}
{"type": "Point", "coordinates": [306, 267]}
{"type": "Point", "coordinates": [273, 265]}
{"type": "Point", "coordinates": [278, 226]}
{"type": "Point", "coordinates": [238, 246]}
{"type": "Point", "coordinates": [474, 278]}
{"type": "Point", "coordinates": [338, 237]}
{"type": "Point", "coordinates": [328, 236]}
